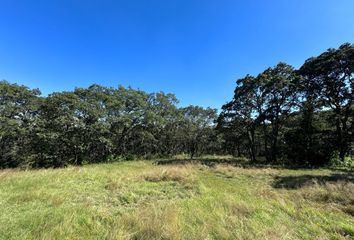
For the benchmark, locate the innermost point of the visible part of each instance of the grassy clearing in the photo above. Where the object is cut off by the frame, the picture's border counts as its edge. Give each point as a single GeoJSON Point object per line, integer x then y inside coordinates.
{"type": "Point", "coordinates": [140, 200]}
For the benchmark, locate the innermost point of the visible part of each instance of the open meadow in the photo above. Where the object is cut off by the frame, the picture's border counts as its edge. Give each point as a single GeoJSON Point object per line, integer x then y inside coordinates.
{"type": "Point", "coordinates": [143, 200]}
{"type": "Point", "coordinates": [177, 120]}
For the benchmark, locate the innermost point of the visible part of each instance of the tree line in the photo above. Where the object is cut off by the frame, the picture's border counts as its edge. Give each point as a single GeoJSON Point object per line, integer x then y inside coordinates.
{"type": "Point", "coordinates": [283, 114]}
{"type": "Point", "coordinates": [300, 115]}
{"type": "Point", "coordinates": [95, 124]}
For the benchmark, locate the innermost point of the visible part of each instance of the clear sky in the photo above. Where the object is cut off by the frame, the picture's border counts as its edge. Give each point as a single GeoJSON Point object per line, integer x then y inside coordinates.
{"type": "Point", "coordinates": [193, 48]}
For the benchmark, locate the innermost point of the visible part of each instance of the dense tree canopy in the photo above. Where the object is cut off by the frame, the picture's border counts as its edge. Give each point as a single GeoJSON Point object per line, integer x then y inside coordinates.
{"type": "Point", "coordinates": [281, 115]}
{"type": "Point", "coordinates": [97, 124]}
{"type": "Point", "coordinates": [303, 115]}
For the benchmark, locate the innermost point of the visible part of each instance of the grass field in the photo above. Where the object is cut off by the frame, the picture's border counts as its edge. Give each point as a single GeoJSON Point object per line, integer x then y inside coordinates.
{"type": "Point", "coordinates": [142, 200]}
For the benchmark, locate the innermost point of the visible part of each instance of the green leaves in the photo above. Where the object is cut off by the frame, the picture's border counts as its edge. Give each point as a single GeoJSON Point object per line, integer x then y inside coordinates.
{"type": "Point", "coordinates": [281, 113]}
{"type": "Point", "coordinates": [18, 115]}
{"type": "Point", "coordinates": [95, 124]}
{"type": "Point", "coordinates": [281, 110]}
{"type": "Point", "coordinates": [329, 79]}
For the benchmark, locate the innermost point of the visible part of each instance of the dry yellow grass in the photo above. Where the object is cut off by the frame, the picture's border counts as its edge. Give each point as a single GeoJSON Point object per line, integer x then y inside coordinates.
{"type": "Point", "coordinates": [181, 174]}
{"type": "Point", "coordinates": [231, 171]}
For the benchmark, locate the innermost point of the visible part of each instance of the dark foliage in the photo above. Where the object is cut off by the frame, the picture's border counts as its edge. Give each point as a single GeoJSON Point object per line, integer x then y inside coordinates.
{"type": "Point", "coordinates": [296, 182]}
{"type": "Point", "coordinates": [300, 116]}
{"type": "Point", "coordinates": [98, 124]}
{"type": "Point", "coordinates": [283, 115]}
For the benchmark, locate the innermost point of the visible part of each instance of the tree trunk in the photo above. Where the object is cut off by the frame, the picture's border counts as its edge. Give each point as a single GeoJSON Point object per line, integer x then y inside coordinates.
{"type": "Point", "coordinates": [238, 150]}
{"type": "Point", "coordinates": [274, 147]}
{"type": "Point", "coordinates": [265, 135]}
{"type": "Point", "coordinates": [344, 140]}
{"type": "Point", "coordinates": [341, 141]}
{"type": "Point", "coordinates": [251, 143]}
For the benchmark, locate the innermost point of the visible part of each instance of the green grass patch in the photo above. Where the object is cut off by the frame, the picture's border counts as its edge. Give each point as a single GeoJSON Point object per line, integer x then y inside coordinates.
{"type": "Point", "coordinates": [141, 200]}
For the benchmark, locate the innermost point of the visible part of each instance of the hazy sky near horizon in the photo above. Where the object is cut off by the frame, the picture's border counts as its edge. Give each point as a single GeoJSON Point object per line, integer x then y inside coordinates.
{"type": "Point", "coordinates": [193, 48]}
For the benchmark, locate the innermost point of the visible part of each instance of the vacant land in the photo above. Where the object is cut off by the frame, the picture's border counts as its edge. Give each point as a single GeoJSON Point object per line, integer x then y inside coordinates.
{"type": "Point", "coordinates": [142, 200]}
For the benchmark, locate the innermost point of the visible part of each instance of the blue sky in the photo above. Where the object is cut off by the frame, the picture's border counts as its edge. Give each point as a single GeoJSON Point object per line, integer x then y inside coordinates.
{"type": "Point", "coordinates": [193, 48]}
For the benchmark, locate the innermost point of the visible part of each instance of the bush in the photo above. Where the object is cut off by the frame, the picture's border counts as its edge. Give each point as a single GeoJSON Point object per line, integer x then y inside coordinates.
{"type": "Point", "coordinates": [335, 161]}
{"type": "Point", "coordinates": [130, 157]}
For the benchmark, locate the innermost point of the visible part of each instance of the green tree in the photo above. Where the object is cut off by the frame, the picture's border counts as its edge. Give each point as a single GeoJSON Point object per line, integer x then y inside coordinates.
{"type": "Point", "coordinates": [197, 124]}
{"type": "Point", "coordinates": [247, 109]}
{"type": "Point", "coordinates": [329, 80]}
{"type": "Point", "coordinates": [280, 99]}
{"type": "Point", "coordinates": [18, 115]}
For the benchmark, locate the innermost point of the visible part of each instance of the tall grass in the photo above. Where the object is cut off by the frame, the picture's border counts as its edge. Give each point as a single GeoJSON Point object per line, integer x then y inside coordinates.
{"type": "Point", "coordinates": [139, 200]}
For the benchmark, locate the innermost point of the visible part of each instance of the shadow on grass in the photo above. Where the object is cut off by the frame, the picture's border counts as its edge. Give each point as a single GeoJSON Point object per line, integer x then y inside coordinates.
{"type": "Point", "coordinates": [297, 182]}
{"type": "Point", "coordinates": [236, 162]}
{"type": "Point", "coordinates": [205, 161]}
{"type": "Point", "coordinates": [288, 182]}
